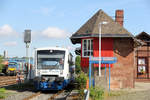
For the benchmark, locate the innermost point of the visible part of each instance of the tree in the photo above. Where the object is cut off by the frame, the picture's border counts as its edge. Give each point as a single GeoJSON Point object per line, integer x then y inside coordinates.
{"type": "Point", "coordinates": [1, 65]}
{"type": "Point", "coordinates": [77, 64]}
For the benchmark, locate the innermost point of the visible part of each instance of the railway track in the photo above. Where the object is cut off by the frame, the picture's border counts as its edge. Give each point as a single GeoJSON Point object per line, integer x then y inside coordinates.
{"type": "Point", "coordinates": [7, 80]}
{"type": "Point", "coordinates": [32, 96]}
{"type": "Point", "coordinates": [7, 77]}
{"type": "Point", "coordinates": [61, 95]}
{"type": "Point", "coordinates": [55, 95]}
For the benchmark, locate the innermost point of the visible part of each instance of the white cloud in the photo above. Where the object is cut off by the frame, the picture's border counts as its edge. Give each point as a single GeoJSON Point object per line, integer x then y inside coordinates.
{"type": "Point", "coordinates": [7, 30]}
{"type": "Point", "coordinates": [10, 43]}
{"type": "Point", "coordinates": [54, 32]}
{"type": "Point", "coordinates": [35, 34]}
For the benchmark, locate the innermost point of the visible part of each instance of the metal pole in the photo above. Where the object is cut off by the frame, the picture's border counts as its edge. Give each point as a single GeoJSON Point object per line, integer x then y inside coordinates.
{"type": "Point", "coordinates": [26, 50]}
{"type": "Point", "coordinates": [29, 69]}
{"type": "Point", "coordinates": [105, 71]}
{"type": "Point", "coordinates": [89, 74]}
{"type": "Point", "coordinates": [99, 49]}
{"type": "Point", "coordinates": [27, 56]}
{"type": "Point", "coordinates": [109, 77]}
{"type": "Point", "coordinates": [87, 95]}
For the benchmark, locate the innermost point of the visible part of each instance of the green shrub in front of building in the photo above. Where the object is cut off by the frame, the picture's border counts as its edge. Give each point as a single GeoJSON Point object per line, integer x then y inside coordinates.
{"type": "Point", "coordinates": [77, 65]}
{"type": "Point", "coordinates": [96, 93]}
{"type": "Point", "coordinates": [81, 80]}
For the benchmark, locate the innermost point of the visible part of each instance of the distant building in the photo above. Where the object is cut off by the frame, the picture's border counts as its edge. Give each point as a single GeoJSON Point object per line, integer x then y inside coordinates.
{"type": "Point", "coordinates": [142, 54]}
{"type": "Point", "coordinates": [5, 54]}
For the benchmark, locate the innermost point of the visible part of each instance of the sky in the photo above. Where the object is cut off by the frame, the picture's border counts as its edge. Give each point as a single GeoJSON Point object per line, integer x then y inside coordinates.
{"type": "Point", "coordinates": [53, 21]}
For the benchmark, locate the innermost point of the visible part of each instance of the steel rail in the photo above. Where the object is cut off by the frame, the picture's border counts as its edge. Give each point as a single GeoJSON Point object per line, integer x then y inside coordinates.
{"type": "Point", "coordinates": [32, 96]}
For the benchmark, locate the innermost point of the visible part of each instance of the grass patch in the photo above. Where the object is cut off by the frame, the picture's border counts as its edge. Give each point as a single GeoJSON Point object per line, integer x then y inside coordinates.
{"type": "Point", "coordinates": [3, 93]}
{"type": "Point", "coordinates": [2, 90]}
{"type": "Point", "coordinates": [117, 93]}
{"type": "Point", "coordinates": [2, 96]}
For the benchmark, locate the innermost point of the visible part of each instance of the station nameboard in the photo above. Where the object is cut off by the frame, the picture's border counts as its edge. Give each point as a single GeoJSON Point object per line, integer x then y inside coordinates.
{"type": "Point", "coordinates": [104, 60]}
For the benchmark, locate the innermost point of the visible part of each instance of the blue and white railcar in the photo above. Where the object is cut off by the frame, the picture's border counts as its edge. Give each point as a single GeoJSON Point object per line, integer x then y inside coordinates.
{"type": "Point", "coordinates": [52, 68]}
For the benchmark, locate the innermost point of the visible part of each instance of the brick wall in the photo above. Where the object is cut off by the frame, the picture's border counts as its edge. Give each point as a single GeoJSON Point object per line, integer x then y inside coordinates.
{"type": "Point", "coordinates": [122, 73]}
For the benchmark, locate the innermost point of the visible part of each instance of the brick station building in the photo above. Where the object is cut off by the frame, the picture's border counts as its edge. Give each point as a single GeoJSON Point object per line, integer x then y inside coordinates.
{"type": "Point", "coordinates": [116, 42]}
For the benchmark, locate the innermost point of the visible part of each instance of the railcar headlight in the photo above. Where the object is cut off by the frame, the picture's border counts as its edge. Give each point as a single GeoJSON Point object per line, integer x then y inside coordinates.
{"type": "Point", "coordinates": [61, 72]}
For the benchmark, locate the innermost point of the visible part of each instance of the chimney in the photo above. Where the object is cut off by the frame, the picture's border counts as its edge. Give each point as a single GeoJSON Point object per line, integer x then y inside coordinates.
{"type": "Point", "coordinates": [119, 17]}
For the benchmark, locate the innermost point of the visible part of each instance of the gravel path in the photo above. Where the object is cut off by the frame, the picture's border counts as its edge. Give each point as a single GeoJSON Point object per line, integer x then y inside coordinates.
{"type": "Point", "coordinates": [42, 97]}
{"type": "Point", "coordinates": [22, 95]}
{"type": "Point", "coordinates": [19, 95]}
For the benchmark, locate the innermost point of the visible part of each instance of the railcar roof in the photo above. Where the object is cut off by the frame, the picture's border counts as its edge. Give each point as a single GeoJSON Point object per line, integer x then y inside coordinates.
{"type": "Point", "coordinates": [52, 48]}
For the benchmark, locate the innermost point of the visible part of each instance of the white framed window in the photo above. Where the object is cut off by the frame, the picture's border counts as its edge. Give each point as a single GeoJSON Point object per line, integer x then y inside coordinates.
{"type": "Point", "coordinates": [142, 65]}
{"type": "Point", "coordinates": [141, 61]}
{"type": "Point", "coordinates": [87, 47]}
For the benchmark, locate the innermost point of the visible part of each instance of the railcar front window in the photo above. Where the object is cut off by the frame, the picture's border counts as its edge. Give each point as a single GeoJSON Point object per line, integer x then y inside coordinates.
{"type": "Point", "coordinates": [12, 65]}
{"type": "Point", "coordinates": [50, 59]}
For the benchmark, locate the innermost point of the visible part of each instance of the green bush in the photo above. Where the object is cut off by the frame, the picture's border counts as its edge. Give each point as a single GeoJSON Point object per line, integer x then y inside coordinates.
{"type": "Point", "coordinates": [1, 65]}
{"type": "Point", "coordinates": [81, 80]}
{"type": "Point", "coordinates": [96, 93]}
{"type": "Point", "coordinates": [81, 94]}
{"type": "Point", "coordinates": [77, 64]}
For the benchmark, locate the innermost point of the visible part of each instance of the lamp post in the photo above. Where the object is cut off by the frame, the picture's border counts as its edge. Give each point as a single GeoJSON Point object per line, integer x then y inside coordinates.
{"type": "Point", "coordinates": [100, 36]}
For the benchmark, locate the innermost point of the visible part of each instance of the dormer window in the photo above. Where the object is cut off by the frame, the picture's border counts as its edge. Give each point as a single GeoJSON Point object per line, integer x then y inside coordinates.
{"type": "Point", "coordinates": [87, 47]}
